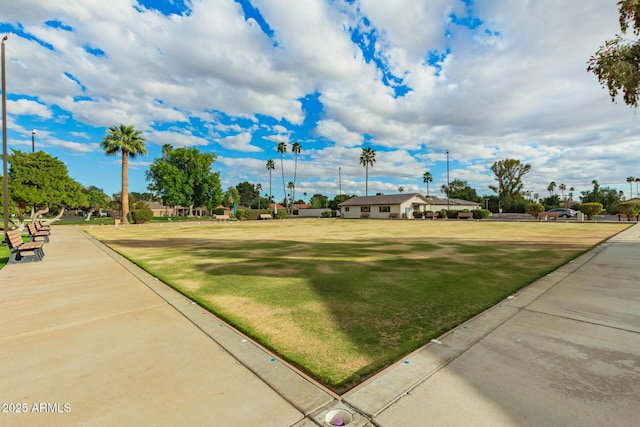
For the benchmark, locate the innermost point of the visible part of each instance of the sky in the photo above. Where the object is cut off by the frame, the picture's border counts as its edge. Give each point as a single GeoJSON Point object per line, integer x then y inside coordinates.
{"type": "Point", "coordinates": [484, 79]}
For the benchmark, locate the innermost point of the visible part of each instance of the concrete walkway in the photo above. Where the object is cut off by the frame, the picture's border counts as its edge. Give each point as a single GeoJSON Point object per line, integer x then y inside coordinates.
{"type": "Point", "coordinates": [87, 338]}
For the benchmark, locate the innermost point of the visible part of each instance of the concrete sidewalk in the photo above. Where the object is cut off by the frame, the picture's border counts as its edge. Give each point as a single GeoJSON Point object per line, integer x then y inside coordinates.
{"type": "Point", "coordinates": [87, 338]}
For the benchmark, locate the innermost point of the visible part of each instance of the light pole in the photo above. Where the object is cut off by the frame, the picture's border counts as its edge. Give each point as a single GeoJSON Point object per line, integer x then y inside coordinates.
{"type": "Point", "coordinates": [340, 180]}
{"type": "Point", "coordinates": [5, 178]}
{"type": "Point", "coordinates": [33, 140]}
{"type": "Point", "coordinates": [448, 188]}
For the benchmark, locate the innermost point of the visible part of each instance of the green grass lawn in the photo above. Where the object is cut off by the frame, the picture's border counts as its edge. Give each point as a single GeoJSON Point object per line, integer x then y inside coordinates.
{"type": "Point", "coordinates": [342, 299]}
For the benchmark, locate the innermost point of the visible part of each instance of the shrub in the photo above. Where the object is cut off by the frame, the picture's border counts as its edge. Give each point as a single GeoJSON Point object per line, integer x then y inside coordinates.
{"type": "Point", "coordinates": [417, 214]}
{"type": "Point", "coordinates": [442, 213]}
{"type": "Point", "coordinates": [590, 209]}
{"type": "Point", "coordinates": [630, 209]}
{"type": "Point", "coordinates": [326, 214]}
{"type": "Point", "coordinates": [451, 213]}
{"type": "Point", "coordinates": [480, 213]}
{"type": "Point", "coordinates": [142, 215]}
{"type": "Point", "coordinates": [534, 209]}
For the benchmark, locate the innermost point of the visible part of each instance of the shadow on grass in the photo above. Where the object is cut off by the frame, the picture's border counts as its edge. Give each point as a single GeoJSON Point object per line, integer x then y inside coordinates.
{"type": "Point", "coordinates": [388, 297]}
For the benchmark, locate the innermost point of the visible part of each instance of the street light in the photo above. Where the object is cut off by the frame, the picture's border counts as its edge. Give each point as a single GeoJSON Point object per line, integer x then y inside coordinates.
{"type": "Point", "coordinates": [448, 188]}
{"type": "Point", "coordinates": [5, 178]}
{"type": "Point", "coordinates": [33, 140]}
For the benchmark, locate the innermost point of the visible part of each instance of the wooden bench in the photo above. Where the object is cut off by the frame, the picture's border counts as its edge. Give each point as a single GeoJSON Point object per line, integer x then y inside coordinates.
{"type": "Point", "coordinates": [222, 217]}
{"type": "Point", "coordinates": [41, 227]}
{"type": "Point", "coordinates": [265, 216]}
{"type": "Point", "coordinates": [547, 215]}
{"type": "Point", "coordinates": [394, 215]}
{"type": "Point", "coordinates": [430, 215]}
{"type": "Point", "coordinates": [34, 234]}
{"type": "Point", "coordinates": [364, 216]}
{"type": "Point", "coordinates": [17, 247]}
{"type": "Point", "coordinates": [625, 216]}
{"type": "Point", "coordinates": [465, 215]}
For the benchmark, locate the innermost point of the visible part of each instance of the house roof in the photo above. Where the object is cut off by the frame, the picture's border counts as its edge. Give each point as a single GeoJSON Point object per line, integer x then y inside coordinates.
{"type": "Point", "coordinates": [455, 202]}
{"type": "Point", "coordinates": [383, 199]}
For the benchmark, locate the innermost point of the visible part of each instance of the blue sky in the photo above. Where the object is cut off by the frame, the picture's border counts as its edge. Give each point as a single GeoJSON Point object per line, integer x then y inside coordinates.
{"type": "Point", "coordinates": [485, 80]}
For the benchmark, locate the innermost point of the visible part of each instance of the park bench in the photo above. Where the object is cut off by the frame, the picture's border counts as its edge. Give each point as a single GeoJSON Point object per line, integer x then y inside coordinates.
{"type": "Point", "coordinates": [431, 215]}
{"type": "Point", "coordinates": [543, 216]}
{"type": "Point", "coordinates": [17, 247]}
{"type": "Point", "coordinates": [42, 227]}
{"type": "Point", "coordinates": [222, 217]}
{"type": "Point", "coordinates": [34, 234]}
{"type": "Point", "coordinates": [465, 215]}
{"type": "Point", "coordinates": [265, 216]}
{"type": "Point", "coordinates": [625, 216]}
{"type": "Point", "coordinates": [394, 215]}
{"type": "Point", "coordinates": [364, 216]}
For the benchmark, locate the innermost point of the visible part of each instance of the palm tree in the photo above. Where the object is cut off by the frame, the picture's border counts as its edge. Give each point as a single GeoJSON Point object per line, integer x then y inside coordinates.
{"type": "Point", "coordinates": [637, 181]}
{"type": "Point", "coordinates": [562, 187]}
{"type": "Point", "coordinates": [401, 189]}
{"type": "Point", "coordinates": [368, 157]}
{"type": "Point", "coordinates": [258, 189]}
{"type": "Point", "coordinates": [292, 189]}
{"type": "Point", "coordinates": [295, 149]}
{"type": "Point", "coordinates": [270, 166]}
{"type": "Point", "coordinates": [427, 178]}
{"type": "Point", "coordinates": [570, 201]}
{"type": "Point", "coordinates": [124, 140]}
{"type": "Point", "coordinates": [551, 188]}
{"type": "Point", "coordinates": [630, 180]}
{"type": "Point", "coordinates": [282, 148]}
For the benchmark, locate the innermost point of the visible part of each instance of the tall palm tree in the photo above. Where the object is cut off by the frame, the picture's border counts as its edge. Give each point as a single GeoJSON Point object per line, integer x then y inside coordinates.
{"type": "Point", "coordinates": [270, 166]}
{"type": "Point", "coordinates": [258, 189]}
{"type": "Point", "coordinates": [637, 181]}
{"type": "Point", "coordinates": [570, 200]}
{"type": "Point", "coordinates": [282, 148]}
{"type": "Point", "coordinates": [427, 178]}
{"type": "Point", "coordinates": [124, 140]}
{"type": "Point", "coordinates": [295, 149]}
{"type": "Point", "coordinates": [551, 188]}
{"type": "Point", "coordinates": [631, 180]}
{"type": "Point", "coordinates": [562, 187]}
{"type": "Point", "coordinates": [368, 157]}
{"type": "Point", "coordinates": [292, 189]}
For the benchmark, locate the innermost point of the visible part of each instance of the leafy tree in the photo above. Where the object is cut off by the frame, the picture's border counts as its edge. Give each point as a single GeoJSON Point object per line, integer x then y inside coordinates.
{"type": "Point", "coordinates": [126, 141]}
{"type": "Point", "coordinates": [270, 166]}
{"type": "Point", "coordinates": [591, 209]}
{"type": "Point", "coordinates": [509, 173]}
{"type": "Point", "coordinates": [96, 200]}
{"type": "Point", "coordinates": [248, 193]}
{"type": "Point", "coordinates": [367, 158]}
{"type": "Point", "coordinates": [427, 178]}
{"type": "Point", "coordinates": [319, 201]}
{"type": "Point", "coordinates": [230, 197]}
{"type": "Point", "coordinates": [551, 201]}
{"type": "Point", "coordinates": [616, 64]}
{"type": "Point", "coordinates": [534, 209]}
{"type": "Point", "coordinates": [183, 177]}
{"type": "Point", "coordinates": [607, 197]}
{"type": "Point", "coordinates": [147, 197]}
{"type": "Point", "coordinates": [459, 189]}
{"type": "Point", "coordinates": [282, 148]}
{"type": "Point", "coordinates": [337, 200]}
{"type": "Point", "coordinates": [631, 209]}
{"type": "Point", "coordinates": [42, 180]}
{"type": "Point", "coordinates": [295, 149]}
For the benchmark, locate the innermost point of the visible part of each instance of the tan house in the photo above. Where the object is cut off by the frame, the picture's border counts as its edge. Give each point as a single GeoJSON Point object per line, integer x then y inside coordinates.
{"type": "Point", "coordinates": [383, 206]}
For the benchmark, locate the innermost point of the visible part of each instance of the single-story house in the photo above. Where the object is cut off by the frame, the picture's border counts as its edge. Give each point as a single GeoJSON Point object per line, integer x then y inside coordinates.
{"type": "Point", "coordinates": [383, 206]}
{"type": "Point", "coordinates": [437, 204]}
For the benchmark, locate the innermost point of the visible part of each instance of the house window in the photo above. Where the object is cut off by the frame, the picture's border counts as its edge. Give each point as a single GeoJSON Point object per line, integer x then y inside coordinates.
{"type": "Point", "coordinates": [365, 209]}
{"type": "Point", "coordinates": [384, 209]}
{"type": "Point", "coordinates": [346, 208]}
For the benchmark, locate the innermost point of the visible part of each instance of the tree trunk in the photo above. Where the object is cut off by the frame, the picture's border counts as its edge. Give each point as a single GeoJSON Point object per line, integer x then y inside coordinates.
{"type": "Point", "coordinates": [125, 188]}
{"type": "Point", "coordinates": [89, 214]}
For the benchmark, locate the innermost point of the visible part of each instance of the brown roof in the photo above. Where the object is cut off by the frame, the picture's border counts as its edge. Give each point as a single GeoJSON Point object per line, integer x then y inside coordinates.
{"type": "Point", "coordinates": [455, 202]}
